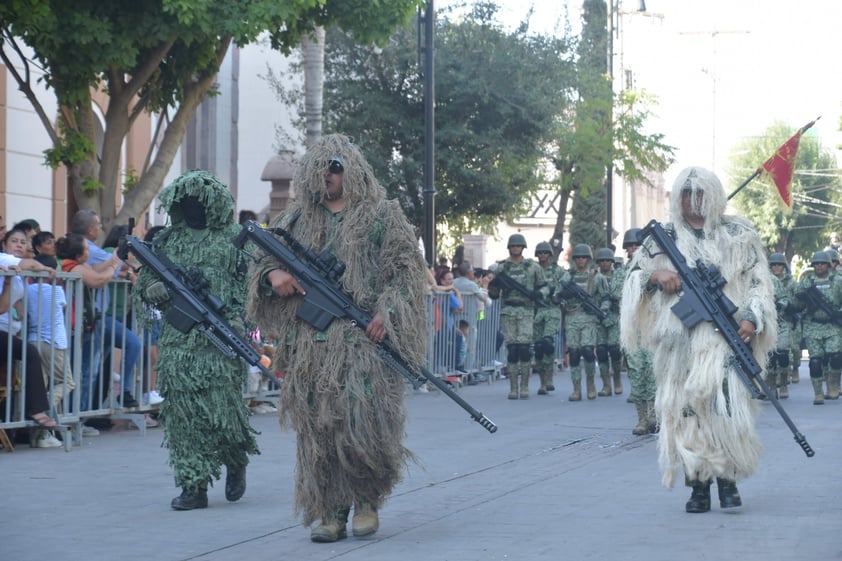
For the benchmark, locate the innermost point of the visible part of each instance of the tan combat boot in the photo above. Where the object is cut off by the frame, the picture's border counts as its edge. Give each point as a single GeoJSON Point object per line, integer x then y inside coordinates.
{"type": "Point", "coordinates": [577, 390]}
{"type": "Point", "coordinates": [513, 382]}
{"type": "Point", "coordinates": [795, 378]}
{"type": "Point", "coordinates": [365, 520]}
{"type": "Point", "coordinates": [618, 381]}
{"type": "Point", "coordinates": [332, 528]}
{"type": "Point", "coordinates": [524, 385]}
{"type": "Point", "coordinates": [606, 385]}
{"type": "Point", "coordinates": [591, 386]}
{"type": "Point", "coordinates": [833, 380]}
{"type": "Point", "coordinates": [783, 390]}
{"type": "Point", "coordinates": [817, 389]}
{"type": "Point", "coordinates": [642, 426]}
{"type": "Point", "coordinates": [542, 390]}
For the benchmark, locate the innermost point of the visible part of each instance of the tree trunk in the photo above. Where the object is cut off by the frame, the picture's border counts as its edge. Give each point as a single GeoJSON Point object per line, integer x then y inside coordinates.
{"type": "Point", "coordinates": [313, 52]}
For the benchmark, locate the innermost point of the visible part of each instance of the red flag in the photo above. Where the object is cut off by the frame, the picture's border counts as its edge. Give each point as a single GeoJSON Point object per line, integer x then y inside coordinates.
{"type": "Point", "coordinates": [781, 166]}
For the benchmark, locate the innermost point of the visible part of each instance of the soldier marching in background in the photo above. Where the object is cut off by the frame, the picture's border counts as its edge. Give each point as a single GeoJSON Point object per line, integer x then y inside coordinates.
{"type": "Point", "coordinates": [822, 336]}
{"type": "Point", "coordinates": [547, 320]}
{"type": "Point", "coordinates": [580, 326]}
{"type": "Point", "coordinates": [641, 375]}
{"type": "Point", "coordinates": [608, 330]}
{"type": "Point", "coordinates": [517, 313]}
{"type": "Point", "coordinates": [777, 373]}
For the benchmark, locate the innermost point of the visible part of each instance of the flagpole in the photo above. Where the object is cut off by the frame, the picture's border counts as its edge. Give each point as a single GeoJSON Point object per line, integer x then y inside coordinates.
{"type": "Point", "coordinates": [744, 183]}
{"type": "Point", "coordinates": [757, 171]}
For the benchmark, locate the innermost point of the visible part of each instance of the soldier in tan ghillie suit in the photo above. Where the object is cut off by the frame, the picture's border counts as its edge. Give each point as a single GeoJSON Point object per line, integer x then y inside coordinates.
{"type": "Point", "coordinates": [706, 414]}
{"type": "Point", "coordinates": [345, 404]}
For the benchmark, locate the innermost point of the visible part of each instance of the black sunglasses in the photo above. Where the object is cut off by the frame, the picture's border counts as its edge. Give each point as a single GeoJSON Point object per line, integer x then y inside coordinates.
{"type": "Point", "coordinates": [335, 166]}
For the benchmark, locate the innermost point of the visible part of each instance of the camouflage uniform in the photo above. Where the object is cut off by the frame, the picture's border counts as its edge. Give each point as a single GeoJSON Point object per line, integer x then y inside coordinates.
{"type": "Point", "coordinates": [608, 331]}
{"type": "Point", "coordinates": [823, 338]}
{"type": "Point", "coordinates": [517, 315]}
{"type": "Point", "coordinates": [789, 338]}
{"type": "Point", "coordinates": [546, 328]}
{"type": "Point", "coordinates": [639, 361]}
{"type": "Point", "coordinates": [580, 330]}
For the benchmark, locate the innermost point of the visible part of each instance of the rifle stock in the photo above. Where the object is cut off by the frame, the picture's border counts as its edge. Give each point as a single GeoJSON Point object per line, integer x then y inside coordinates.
{"type": "Point", "coordinates": [570, 288]}
{"type": "Point", "coordinates": [815, 298]}
{"type": "Point", "coordinates": [188, 310]}
{"type": "Point", "coordinates": [326, 301]}
{"type": "Point", "coordinates": [703, 300]}
{"type": "Point", "coordinates": [504, 281]}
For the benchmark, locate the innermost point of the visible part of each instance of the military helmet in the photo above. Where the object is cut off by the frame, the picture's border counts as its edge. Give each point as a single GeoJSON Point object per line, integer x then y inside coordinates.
{"type": "Point", "coordinates": [632, 236]}
{"type": "Point", "coordinates": [516, 239]}
{"type": "Point", "coordinates": [543, 246]}
{"type": "Point", "coordinates": [604, 254]}
{"type": "Point", "coordinates": [777, 259]}
{"type": "Point", "coordinates": [834, 255]}
{"type": "Point", "coordinates": [820, 257]}
{"type": "Point", "coordinates": [581, 250]}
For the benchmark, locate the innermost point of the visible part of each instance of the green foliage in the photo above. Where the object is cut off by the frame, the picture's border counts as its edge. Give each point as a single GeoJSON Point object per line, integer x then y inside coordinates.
{"type": "Point", "coordinates": [499, 99]}
{"type": "Point", "coordinates": [130, 179]}
{"type": "Point", "coordinates": [73, 148]}
{"type": "Point", "coordinates": [154, 55]}
{"type": "Point", "coordinates": [816, 193]}
{"type": "Point", "coordinates": [608, 133]}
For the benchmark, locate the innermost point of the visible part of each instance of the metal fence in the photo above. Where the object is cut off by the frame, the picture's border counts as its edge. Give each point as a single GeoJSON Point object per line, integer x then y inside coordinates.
{"type": "Point", "coordinates": [80, 379]}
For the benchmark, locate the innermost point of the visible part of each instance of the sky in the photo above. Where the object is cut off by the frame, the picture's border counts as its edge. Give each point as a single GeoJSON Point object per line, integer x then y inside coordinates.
{"type": "Point", "coordinates": [722, 70]}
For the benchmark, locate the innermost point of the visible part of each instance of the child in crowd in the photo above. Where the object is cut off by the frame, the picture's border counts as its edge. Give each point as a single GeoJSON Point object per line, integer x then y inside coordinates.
{"type": "Point", "coordinates": [46, 330]}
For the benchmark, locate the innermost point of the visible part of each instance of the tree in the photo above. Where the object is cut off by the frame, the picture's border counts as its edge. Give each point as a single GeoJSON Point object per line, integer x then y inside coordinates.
{"type": "Point", "coordinates": [499, 98]}
{"type": "Point", "coordinates": [608, 135]}
{"type": "Point", "coordinates": [816, 193]}
{"type": "Point", "coordinates": [157, 56]}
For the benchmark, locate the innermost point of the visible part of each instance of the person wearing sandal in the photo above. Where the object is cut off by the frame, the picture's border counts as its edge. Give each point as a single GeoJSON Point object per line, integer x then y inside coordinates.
{"type": "Point", "coordinates": [36, 405]}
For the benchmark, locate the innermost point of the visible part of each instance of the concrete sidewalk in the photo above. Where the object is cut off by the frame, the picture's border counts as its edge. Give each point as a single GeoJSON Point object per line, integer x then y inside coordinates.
{"type": "Point", "coordinates": [559, 480]}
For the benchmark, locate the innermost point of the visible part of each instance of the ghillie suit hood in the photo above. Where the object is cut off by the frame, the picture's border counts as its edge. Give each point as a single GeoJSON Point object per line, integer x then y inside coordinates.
{"type": "Point", "coordinates": [211, 193]}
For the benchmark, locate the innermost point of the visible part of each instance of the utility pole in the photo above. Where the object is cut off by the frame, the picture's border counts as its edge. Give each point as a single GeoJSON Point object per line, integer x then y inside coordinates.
{"type": "Point", "coordinates": [712, 72]}
{"type": "Point", "coordinates": [429, 21]}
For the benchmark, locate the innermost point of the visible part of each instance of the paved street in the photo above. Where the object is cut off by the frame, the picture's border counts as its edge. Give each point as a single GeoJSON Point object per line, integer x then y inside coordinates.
{"type": "Point", "coordinates": [559, 480]}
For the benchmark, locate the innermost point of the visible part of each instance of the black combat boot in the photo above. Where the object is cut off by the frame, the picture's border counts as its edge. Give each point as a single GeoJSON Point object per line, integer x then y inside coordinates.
{"type": "Point", "coordinates": [235, 483]}
{"type": "Point", "coordinates": [699, 498]}
{"type": "Point", "coordinates": [729, 497]}
{"type": "Point", "coordinates": [190, 499]}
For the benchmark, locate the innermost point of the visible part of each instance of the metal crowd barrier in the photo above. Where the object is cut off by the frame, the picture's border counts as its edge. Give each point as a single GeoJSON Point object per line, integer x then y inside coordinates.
{"type": "Point", "coordinates": [484, 351]}
{"type": "Point", "coordinates": [484, 354]}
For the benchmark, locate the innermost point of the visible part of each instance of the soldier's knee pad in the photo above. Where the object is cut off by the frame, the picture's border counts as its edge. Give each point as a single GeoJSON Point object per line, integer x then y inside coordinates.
{"type": "Point", "coordinates": [836, 361]}
{"type": "Point", "coordinates": [587, 354]}
{"type": "Point", "coordinates": [614, 353]}
{"type": "Point", "coordinates": [539, 350]}
{"type": "Point", "coordinates": [602, 353]}
{"type": "Point", "coordinates": [816, 367]}
{"type": "Point", "coordinates": [575, 355]}
{"type": "Point", "coordinates": [549, 346]}
{"type": "Point", "coordinates": [511, 353]}
{"type": "Point", "coordinates": [781, 358]}
{"type": "Point", "coordinates": [524, 353]}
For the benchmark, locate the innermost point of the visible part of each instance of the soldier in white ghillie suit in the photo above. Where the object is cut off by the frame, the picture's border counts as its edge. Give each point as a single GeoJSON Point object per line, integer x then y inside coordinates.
{"type": "Point", "coordinates": [706, 414]}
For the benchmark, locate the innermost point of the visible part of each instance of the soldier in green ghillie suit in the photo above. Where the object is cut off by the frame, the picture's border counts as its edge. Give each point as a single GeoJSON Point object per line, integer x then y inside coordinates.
{"type": "Point", "coordinates": [205, 419]}
{"type": "Point", "coordinates": [343, 401]}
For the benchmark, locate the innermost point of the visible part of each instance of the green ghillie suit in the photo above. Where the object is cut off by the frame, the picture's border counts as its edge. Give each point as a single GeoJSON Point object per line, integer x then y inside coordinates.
{"type": "Point", "coordinates": [205, 418]}
{"type": "Point", "coordinates": [344, 403]}
{"type": "Point", "coordinates": [706, 414]}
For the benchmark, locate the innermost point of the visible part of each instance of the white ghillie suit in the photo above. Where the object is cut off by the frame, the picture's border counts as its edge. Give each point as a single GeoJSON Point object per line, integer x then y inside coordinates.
{"type": "Point", "coordinates": [344, 403]}
{"type": "Point", "coordinates": [706, 414]}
